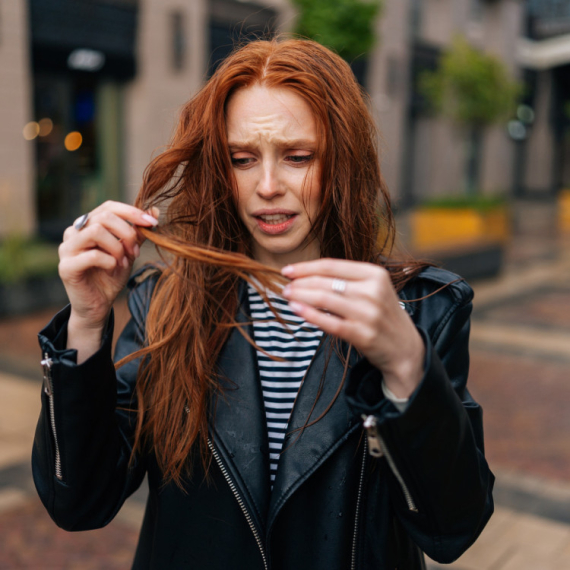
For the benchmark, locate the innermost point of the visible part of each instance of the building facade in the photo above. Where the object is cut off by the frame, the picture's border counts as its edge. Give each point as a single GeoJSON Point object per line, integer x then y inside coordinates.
{"type": "Point", "coordinates": [543, 154]}
{"type": "Point", "coordinates": [90, 92]}
{"type": "Point", "coordinates": [425, 156]}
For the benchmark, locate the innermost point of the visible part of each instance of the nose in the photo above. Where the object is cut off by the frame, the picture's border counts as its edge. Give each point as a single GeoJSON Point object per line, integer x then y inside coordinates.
{"type": "Point", "coordinates": [269, 185]}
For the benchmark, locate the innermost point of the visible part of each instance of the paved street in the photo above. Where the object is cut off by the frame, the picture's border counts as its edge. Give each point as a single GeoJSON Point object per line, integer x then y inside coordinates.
{"type": "Point", "coordinates": [519, 372]}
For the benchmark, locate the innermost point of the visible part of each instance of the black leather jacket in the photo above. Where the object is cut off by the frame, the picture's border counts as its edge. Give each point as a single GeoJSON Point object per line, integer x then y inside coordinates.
{"type": "Point", "coordinates": [333, 505]}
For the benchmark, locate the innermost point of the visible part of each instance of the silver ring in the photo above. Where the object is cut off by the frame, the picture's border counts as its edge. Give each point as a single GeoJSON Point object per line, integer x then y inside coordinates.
{"type": "Point", "coordinates": [81, 222]}
{"type": "Point", "coordinates": [339, 286]}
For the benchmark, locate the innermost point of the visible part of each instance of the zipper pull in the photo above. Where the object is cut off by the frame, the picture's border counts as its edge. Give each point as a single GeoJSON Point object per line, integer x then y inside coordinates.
{"type": "Point", "coordinates": [374, 443]}
{"type": "Point", "coordinates": [46, 365]}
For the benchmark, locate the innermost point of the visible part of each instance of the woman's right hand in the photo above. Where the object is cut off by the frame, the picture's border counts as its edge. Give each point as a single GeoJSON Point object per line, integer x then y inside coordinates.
{"type": "Point", "coordinates": [96, 261]}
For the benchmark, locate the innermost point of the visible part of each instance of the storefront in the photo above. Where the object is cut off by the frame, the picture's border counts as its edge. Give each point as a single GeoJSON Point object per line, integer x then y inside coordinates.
{"type": "Point", "coordinates": [82, 55]}
{"type": "Point", "coordinates": [108, 77]}
{"type": "Point", "coordinates": [232, 21]}
{"type": "Point", "coordinates": [544, 152]}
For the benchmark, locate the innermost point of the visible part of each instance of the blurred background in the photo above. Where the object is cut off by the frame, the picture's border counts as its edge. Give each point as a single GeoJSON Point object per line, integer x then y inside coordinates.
{"type": "Point", "coordinates": [472, 99]}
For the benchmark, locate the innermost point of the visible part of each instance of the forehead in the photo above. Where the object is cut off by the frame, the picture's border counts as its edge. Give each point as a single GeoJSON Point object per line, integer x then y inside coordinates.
{"type": "Point", "coordinates": [270, 114]}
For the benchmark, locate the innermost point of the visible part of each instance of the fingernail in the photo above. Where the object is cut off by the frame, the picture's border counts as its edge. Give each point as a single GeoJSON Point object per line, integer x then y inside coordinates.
{"type": "Point", "coordinates": [150, 219]}
{"type": "Point", "coordinates": [125, 262]}
{"type": "Point", "coordinates": [296, 307]}
{"type": "Point", "coordinates": [287, 270]}
{"type": "Point", "coordinates": [286, 290]}
{"type": "Point", "coordinates": [136, 250]}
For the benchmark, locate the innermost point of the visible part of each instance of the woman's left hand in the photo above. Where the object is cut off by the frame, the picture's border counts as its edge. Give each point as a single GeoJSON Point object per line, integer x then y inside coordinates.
{"type": "Point", "coordinates": [366, 314]}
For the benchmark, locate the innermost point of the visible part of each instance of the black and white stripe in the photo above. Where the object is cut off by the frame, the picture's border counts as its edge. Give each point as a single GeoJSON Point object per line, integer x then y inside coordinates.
{"type": "Point", "coordinates": [280, 380]}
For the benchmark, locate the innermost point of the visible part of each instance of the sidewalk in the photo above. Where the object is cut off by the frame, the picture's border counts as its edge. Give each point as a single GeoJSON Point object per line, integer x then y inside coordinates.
{"type": "Point", "coordinates": [519, 373]}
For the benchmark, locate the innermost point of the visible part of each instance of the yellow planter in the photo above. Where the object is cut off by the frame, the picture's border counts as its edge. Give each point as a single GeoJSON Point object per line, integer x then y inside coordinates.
{"type": "Point", "coordinates": [564, 211]}
{"type": "Point", "coordinates": [447, 228]}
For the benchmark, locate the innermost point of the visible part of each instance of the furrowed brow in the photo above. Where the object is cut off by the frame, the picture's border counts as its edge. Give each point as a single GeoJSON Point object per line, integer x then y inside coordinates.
{"type": "Point", "coordinates": [283, 143]}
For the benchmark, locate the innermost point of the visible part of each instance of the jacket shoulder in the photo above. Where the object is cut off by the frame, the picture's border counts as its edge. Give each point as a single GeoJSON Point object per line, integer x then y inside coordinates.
{"type": "Point", "coordinates": [141, 285]}
{"type": "Point", "coordinates": [438, 300]}
{"type": "Point", "coordinates": [440, 283]}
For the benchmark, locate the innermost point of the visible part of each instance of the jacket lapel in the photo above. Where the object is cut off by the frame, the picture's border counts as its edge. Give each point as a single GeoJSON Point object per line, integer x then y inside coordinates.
{"type": "Point", "coordinates": [240, 430]}
{"type": "Point", "coordinates": [304, 451]}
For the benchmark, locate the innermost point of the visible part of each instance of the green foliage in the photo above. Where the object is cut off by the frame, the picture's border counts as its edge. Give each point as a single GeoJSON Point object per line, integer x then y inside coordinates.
{"type": "Point", "coordinates": [471, 87]}
{"type": "Point", "coordinates": [21, 258]}
{"type": "Point", "coordinates": [346, 26]}
{"type": "Point", "coordinates": [481, 203]}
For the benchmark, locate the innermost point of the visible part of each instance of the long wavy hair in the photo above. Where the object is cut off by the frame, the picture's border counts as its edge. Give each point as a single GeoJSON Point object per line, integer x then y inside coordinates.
{"type": "Point", "coordinates": [195, 300]}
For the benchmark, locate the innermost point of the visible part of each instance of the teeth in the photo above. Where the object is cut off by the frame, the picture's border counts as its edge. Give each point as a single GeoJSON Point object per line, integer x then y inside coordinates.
{"type": "Point", "coordinates": [275, 218]}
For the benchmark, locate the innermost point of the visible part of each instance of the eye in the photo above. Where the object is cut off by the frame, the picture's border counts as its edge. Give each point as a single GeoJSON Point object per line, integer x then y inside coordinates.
{"type": "Point", "coordinates": [300, 158]}
{"type": "Point", "coordinates": [242, 161]}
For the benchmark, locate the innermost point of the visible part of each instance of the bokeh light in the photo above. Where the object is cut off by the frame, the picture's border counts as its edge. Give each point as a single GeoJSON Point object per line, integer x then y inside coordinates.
{"type": "Point", "coordinates": [46, 127]}
{"type": "Point", "coordinates": [31, 130]}
{"type": "Point", "coordinates": [73, 140]}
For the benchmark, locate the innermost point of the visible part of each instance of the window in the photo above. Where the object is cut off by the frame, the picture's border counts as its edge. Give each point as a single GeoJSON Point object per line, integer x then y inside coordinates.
{"type": "Point", "coordinates": [416, 18]}
{"type": "Point", "coordinates": [476, 14]}
{"type": "Point", "coordinates": [178, 40]}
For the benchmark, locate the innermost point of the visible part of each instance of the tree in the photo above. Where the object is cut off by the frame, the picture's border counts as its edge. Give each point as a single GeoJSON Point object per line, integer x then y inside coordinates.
{"type": "Point", "coordinates": [475, 90]}
{"type": "Point", "coordinates": [346, 26]}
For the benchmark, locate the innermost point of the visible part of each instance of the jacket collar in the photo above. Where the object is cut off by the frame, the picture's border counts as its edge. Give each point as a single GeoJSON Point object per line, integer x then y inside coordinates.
{"type": "Point", "coordinates": [240, 429]}
{"type": "Point", "coordinates": [238, 418]}
{"type": "Point", "coordinates": [305, 450]}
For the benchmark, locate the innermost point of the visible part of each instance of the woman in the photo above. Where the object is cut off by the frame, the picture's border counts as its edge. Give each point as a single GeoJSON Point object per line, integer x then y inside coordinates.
{"type": "Point", "coordinates": [336, 430]}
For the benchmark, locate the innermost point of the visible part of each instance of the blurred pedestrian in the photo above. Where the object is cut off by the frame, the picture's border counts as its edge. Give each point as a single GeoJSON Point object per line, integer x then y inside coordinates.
{"type": "Point", "coordinates": [296, 396]}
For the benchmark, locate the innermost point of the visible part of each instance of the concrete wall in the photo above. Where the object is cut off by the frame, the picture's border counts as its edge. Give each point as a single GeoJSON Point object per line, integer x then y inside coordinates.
{"type": "Point", "coordinates": [439, 146]}
{"type": "Point", "coordinates": [153, 100]}
{"type": "Point", "coordinates": [17, 198]}
{"type": "Point", "coordinates": [388, 84]}
{"type": "Point", "coordinates": [540, 144]}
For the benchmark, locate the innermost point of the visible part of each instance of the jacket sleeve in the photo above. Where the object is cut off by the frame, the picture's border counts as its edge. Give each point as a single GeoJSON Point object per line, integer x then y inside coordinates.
{"type": "Point", "coordinates": [440, 483]}
{"type": "Point", "coordinates": [83, 441]}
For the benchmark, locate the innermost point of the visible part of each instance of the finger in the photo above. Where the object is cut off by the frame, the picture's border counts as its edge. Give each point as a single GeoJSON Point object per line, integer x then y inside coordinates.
{"type": "Point", "coordinates": [348, 308]}
{"type": "Point", "coordinates": [121, 229]}
{"type": "Point", "coordinates": [328, 267]}
{"type": "Point", "coordinates": [331, 324]}
{"type": "Point", "coordinates": [127, 212]}
{"type": "Point", "coordinates": [354, 288]}
{"type": "Point", "coordinates": [72, 267]}
{"type": "Point", "coordinates": [93, 236]}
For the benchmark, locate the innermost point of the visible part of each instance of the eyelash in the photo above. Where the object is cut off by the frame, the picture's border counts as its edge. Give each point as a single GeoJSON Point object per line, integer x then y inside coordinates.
{"type": "Point", "coordinates": [303, 158]}
{"type": "Point", "coordinates": [240, 161]}
{"type": "Point", "coordinates": [295, 159]}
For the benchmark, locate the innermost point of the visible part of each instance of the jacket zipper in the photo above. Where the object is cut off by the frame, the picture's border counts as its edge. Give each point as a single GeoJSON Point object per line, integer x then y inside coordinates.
{"type": "Point", "coordinates": [358, 503]}
{"type": "Point", "coordinates": [240, 502]}
{"type": "Point", "coordinates": [48, 389]}
{"type": "Point", "coordinates": [378, 448]}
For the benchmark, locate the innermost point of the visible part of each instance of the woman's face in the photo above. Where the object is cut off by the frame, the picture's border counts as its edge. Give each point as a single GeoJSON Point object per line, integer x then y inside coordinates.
{"type": "Point", "coordinates": [272, 140]}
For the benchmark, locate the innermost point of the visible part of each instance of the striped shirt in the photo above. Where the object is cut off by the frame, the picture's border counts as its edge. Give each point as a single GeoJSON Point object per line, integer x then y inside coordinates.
{"type": "Point", "coordinates": [280, 381]}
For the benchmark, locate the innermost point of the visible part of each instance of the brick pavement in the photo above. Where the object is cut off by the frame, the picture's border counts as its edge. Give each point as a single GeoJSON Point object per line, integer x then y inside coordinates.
{"type": "Point", "coordinates": [519, 373]}
{"type": "Point", "coordinates": [31, 540]}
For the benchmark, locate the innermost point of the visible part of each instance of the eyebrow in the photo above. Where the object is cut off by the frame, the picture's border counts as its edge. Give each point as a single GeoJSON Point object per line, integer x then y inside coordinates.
{"type": "Point", "coordinates": [283, 143]}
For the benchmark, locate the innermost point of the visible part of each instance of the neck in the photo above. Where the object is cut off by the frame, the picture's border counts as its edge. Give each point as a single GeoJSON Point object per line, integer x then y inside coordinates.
{"type": "Point", "coordinates": [279, 260]}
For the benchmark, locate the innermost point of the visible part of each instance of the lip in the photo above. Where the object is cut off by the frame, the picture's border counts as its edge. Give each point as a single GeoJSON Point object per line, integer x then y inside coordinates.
{"type": "Point", "coordinates": [271, 211]}
{"type": "Point", "coordinates": [274, 229]}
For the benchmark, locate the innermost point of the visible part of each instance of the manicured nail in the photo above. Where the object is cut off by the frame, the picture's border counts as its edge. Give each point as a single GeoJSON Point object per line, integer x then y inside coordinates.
{"type": "Point", "coordinates": [286, 290]}
{"type": "Point", "coordinates": [287, 270]}
{"type": "Point", "coordinates": [136, 250]}
{"type": "Point", "coordinates": [150, 219]}
{"type": "Point", "coordinates": [296, 307]}
{"type": "Point", "coordinates": [125, 262]}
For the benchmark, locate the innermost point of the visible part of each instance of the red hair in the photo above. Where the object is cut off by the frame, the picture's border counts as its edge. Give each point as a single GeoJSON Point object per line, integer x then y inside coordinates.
{"type": "Point", "coordinates": [195, 300]}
